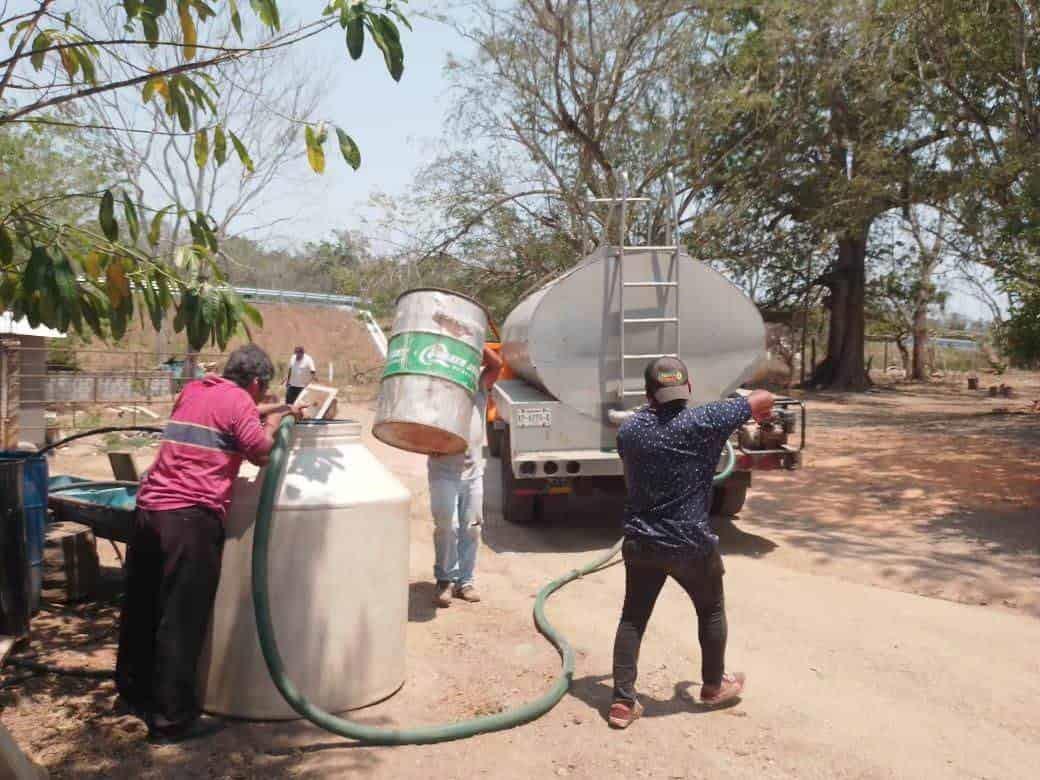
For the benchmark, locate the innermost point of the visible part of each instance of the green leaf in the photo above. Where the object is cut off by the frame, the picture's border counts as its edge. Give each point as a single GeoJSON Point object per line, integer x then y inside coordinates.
{"type": "Point", "coordinates": [315, 154]}
{"type": "Point", "coordinates": [90, 310]}
{"type": "Point", "coordinates": [155, 7]}
{"type": "Point", "coordinates": [133, 223]}
{"type": "Point", "coordinates": [156, 226]}
{"type": "Point", "coordinates": [267, 10]}
{"type": "Point", "coordinates": [188, 29]}
{"type": "Point", "coordinates": [41, 42]}
{"type": "Point", "coordinates": [253, 314]}
{"type": "Point", "coordinates": [219, 145]}
{"type": "Point", "coordinates": [162, 291]}
{"type": "Point", "coordinates": [86, 64]}
{"type": "Point", "coordinates": [6, 247]}
{"type": "Point", "coordinates": [386, 37]}
{"type": "Point", "coordinates": [68, 293]}
{"type": "Point", "coordinates": [203, 232]}
{"type": "Point", "coordinates": [18, 29]}
{"type": "Point", "coordinates": [355, 37]}
{"type": "Point", "coordinates": [151, 30]}
{"type": "Point", "coordinates": [180, 105]}
{"type": "Point", "coordinates": [107, 217]}
{"type": "Point", "coordinates": [236, 19]}
{"type": "Point", "coordinates": [180, 316]}
{"type": "Point", "coordinates": [117, 321]}
{"type": "Point", "coordinates": [132, 8]}
{"type": "Point", "coordinates": [197, 236]}
{"type": "Point", "coordinates": [149, 90]}
{"type": "Point", "coordinates": [37, 272]}
{"type": "Point", "coordinates": [150, 293]}
{"type": "Point", "coordinates": [201, 148]}
{"type": "Point", "coordinates": [349, 149]}
{"type": "Point", "coordinates": [240, 149]}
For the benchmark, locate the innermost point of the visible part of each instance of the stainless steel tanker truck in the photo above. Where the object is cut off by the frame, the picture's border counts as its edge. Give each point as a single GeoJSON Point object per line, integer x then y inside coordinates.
{"type": "Point", "coordinates": [575, 351]}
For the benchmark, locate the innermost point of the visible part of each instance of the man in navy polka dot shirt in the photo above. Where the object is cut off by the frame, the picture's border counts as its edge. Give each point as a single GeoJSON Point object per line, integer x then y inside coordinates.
{"type": "Point", "coordinates": [670, 452]}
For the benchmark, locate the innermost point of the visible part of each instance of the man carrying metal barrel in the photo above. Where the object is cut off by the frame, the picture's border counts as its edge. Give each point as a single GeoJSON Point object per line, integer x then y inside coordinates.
{"type": "Point", "coordinates": [173, 561]}
{"type": "Point", "coordinates": [457, 500]}
{"type": "Point", "coordinates": [670, 452]}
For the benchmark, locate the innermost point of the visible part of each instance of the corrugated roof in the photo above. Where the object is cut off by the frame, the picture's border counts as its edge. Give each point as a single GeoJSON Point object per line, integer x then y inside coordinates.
{"type": "Point", "coordinates": [9, 326]}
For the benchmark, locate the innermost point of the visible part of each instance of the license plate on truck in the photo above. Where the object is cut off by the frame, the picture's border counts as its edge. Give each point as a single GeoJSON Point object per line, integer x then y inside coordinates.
{"type": "Point", "coordinates": [533, 418]}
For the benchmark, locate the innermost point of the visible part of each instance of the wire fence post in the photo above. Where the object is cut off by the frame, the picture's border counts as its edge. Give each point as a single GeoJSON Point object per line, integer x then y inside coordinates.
{"type": "Point", "coordinates": [133, 387]}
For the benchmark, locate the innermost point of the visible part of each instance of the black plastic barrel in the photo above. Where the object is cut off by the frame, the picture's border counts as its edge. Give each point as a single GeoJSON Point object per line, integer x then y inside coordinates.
{"type": "Point", "coordinates": [14, 558]}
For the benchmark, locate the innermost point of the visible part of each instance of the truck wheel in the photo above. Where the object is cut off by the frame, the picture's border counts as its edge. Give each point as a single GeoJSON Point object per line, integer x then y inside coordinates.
{"type": "Point", "coordinates": [518, 510]}
{"type": "Point", "coordinates": [727, 499]}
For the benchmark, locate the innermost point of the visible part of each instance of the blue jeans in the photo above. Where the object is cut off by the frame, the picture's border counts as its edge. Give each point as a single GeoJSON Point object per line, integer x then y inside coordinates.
{"type": "Point", "coordinates": [457, 506]}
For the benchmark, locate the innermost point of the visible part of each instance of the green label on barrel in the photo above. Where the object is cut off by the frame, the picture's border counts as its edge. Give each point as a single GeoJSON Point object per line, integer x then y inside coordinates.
{"type": "Point", "coordinates": [433, 355]}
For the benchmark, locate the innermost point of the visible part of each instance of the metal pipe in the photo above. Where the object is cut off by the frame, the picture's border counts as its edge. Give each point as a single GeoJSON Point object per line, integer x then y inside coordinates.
{"type": "Point", "coordinates": [621, 286]}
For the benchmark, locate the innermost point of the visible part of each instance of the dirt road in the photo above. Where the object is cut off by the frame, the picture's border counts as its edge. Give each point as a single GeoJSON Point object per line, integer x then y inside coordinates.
{"type": "Point", "coordinates": [845, 679]}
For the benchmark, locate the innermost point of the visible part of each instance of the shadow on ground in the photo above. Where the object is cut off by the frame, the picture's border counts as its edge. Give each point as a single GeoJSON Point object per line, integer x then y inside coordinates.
{"type": "Point", "coordinates": [71, 727]}
{"type": "Point", "coordinates": [597, 692]}
{"type": "Point", "coordinates": [420, 602]}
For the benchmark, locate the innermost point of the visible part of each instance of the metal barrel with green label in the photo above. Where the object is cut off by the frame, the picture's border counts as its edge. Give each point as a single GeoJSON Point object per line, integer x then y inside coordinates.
{"type": "Point", "coordinates": [432, 369]}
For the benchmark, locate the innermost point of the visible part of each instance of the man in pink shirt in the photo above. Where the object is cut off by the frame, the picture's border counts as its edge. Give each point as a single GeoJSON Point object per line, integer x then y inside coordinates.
{"type": "Point", "coordinates": [173, 561]}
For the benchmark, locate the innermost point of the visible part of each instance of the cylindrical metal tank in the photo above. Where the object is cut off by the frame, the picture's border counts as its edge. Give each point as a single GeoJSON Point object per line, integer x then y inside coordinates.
{"type": "Point", "coordinates": [338, 582]}
{"type": "Point", "coordinates": [432, 368]}
{"type": "Point", "coordinates": [565, 337]}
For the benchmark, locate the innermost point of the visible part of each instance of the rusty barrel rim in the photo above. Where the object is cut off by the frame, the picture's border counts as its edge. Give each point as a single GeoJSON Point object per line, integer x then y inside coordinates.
{"type": "Point", "coordinates": [446, 291]}
{"type": "Point", "coordinates": [419, 437]}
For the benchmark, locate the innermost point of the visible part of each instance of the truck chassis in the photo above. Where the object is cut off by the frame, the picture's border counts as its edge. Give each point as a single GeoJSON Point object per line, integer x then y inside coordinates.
{"type": "Point", "coordinates": [540, 443]}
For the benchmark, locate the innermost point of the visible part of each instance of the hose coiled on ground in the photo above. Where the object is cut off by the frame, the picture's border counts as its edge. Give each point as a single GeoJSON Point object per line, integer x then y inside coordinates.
{"type": "Point", "coordinates": [371, 735]}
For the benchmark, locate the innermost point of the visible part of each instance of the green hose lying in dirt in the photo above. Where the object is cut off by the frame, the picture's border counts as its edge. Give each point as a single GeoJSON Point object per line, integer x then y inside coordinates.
{"type": "Point", "coordinates": [425, 734]}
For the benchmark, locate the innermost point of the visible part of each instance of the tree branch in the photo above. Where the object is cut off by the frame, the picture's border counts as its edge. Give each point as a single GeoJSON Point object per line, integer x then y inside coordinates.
{"type": "Point", "coordinates": [21, 44]}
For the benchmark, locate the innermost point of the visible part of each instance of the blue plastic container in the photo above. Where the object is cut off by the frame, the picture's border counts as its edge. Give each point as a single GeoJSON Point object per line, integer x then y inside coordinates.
{"type": "Point", "coordinates": [34, 493]}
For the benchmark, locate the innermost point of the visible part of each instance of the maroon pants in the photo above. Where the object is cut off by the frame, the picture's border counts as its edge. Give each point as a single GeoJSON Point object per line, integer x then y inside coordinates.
{"type": "Point", "coordinates": [172, 572]}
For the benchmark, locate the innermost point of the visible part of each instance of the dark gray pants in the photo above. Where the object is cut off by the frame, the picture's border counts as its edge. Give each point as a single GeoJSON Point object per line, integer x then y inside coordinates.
{"type": "Point", "coordinates": [646, 569]}
{"type": "Point", "coordinates": [172, 572]}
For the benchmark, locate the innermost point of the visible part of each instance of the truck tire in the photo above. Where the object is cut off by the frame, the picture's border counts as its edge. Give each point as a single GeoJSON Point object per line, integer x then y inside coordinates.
{"type": "Point", "coordinates": [518, 510]}
{"type": "Point", "coordinates": [728, 499]}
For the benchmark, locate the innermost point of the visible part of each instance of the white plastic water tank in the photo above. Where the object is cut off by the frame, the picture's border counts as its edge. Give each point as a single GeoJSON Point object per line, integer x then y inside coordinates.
{"type": "Point", "coordinates": [338, 577]}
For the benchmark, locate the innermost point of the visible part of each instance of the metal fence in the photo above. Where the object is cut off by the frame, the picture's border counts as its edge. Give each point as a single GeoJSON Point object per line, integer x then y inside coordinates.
{"type": "Point", "coordinates": [947, 359]}
{"type": "Point", "coordinates": [112, 387]}
{"type": "Point", "coordinates": [292, 296]}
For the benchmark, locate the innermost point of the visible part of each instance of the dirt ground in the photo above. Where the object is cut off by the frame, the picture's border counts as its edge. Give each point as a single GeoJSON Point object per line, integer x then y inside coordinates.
{"type": "Point", "coordinates": [883, 602]}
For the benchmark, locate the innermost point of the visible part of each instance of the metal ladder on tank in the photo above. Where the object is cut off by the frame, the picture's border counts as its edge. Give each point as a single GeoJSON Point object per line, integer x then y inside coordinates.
{"type": "Point", "coordinates": [671, 284]}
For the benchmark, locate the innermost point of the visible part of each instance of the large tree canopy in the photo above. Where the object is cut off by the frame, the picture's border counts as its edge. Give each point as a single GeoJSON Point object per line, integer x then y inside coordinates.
{"type": "Point", "coordinates": [797, 131]}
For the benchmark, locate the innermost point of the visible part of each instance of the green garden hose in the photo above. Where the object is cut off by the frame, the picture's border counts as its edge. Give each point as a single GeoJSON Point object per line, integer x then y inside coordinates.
{"type": "Point", "coordinates": [371, 735]}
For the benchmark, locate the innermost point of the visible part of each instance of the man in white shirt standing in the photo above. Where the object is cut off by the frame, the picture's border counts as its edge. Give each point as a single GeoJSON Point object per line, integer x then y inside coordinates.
{"type": "Point", "coordinates": [457, 500]}
{"type": "Point", "coordinates": [301, 373]}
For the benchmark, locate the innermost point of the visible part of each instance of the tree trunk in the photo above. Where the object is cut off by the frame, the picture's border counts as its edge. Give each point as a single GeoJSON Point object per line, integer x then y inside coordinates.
{"type": "Point", "coordinates": [920, 341]}
{"type": "Point", "coordinates": [844, 368]}
{"type": "Point", "coordinates": [904, 353]}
